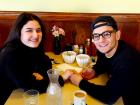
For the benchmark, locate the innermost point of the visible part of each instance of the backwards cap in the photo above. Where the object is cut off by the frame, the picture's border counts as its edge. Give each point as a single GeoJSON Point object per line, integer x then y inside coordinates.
{"type": "Point", "coordinates": [107, 21]}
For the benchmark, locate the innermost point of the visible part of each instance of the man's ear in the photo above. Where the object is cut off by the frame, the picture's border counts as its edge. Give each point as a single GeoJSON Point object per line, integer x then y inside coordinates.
{"type": "Point", "coordinates": [118, 35]}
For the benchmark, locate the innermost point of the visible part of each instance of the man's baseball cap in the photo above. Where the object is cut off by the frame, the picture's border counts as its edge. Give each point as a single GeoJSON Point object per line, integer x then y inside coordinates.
{"type": "Point", "coordinates": [107, 21]}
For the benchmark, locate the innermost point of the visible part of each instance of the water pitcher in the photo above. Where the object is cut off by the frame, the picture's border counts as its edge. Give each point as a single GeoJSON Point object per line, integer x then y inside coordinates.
{"type": "Point", "coordinates": [53, 93]}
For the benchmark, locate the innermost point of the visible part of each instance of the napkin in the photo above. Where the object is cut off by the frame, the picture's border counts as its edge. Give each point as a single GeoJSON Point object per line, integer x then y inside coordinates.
{"type": "Point", "coordinates": [64, 66]}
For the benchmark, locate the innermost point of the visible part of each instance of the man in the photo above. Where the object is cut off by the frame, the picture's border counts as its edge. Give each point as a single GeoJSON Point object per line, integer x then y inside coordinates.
{"type": "Point", "coordinates": [118, 60]}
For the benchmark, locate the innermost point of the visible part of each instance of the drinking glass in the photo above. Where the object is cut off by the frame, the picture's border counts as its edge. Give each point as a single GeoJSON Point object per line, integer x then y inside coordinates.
{"type": "Point", "coordinates": [31, 97]}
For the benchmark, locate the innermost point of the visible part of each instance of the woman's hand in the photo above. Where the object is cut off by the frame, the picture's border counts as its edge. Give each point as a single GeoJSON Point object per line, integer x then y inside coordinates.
{"type": "Point", "coordinates": [38, 76]}
{"type": "Point", "coordinates": [66, 75]}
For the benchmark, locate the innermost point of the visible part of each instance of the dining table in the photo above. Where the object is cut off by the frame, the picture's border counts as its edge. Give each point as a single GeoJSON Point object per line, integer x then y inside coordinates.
{"type": "Point", "coordinates": [16, 98]}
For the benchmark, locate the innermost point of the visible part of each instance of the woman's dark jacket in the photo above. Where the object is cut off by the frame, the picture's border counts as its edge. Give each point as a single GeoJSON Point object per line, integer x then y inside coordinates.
{"type": "Point", "coordinates": [17, 64]}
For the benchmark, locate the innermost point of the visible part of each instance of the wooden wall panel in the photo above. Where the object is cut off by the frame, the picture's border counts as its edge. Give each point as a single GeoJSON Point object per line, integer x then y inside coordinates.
{"type": "Point", "coordinates": [76, 25]}
{"type": "Point", "coordinates": [4, 30]}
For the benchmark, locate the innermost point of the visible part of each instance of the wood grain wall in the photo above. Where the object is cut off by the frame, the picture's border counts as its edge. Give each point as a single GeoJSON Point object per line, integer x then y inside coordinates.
{"type": "Point", "coordinates": [76, 25]}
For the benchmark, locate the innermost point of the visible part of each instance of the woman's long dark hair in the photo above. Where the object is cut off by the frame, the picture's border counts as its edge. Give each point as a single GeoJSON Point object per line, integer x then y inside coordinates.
{"type": "Point", "coordinates": [22, 19]}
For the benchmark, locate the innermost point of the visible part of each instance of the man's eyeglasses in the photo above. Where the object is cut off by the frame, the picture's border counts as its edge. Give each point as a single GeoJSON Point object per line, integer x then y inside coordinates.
{"type": "Point", "coordinates": [105, 35]}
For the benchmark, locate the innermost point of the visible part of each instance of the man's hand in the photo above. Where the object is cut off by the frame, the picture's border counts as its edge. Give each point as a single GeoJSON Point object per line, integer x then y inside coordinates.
{"type": "Point", "coordinates": [76, 79]}
{"type": "Point", "coordinates": [88, 73]}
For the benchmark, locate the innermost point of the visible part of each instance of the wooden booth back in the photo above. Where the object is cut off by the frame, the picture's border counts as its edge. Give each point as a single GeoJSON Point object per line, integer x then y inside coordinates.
{"type": "Point", "coordinates": [77, 26]}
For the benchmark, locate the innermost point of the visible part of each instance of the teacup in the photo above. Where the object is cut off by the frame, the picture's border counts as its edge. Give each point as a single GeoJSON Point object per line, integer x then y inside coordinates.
{"type": "Point", "coordinates": [82, 60]}
{"type": "Point", "coordinates": [80, 97]}
{"type": "Point", "coordinates": [69, 56]}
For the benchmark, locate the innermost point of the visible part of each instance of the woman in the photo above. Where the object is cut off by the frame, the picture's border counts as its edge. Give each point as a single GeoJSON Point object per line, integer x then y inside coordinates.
{"type": "Point", "coordinates": [23, 63]}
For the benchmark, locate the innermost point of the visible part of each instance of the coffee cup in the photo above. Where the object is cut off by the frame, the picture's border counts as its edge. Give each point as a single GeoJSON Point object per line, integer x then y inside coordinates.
{"type": "Point", "coordinates": [80, 97]}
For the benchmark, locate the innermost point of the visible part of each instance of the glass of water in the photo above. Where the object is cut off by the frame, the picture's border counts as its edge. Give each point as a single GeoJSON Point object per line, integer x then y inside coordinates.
{"type": "Point", "coordinates": [31, 97]}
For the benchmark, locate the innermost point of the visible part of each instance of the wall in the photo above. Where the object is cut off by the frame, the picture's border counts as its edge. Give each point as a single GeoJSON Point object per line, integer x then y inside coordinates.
{"type": "Point", "coordinates": [77, 26]}
{"type": "Point", "coordinates": [80, 6]}
{"type": "Point", "coordinates": [80, 27]}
